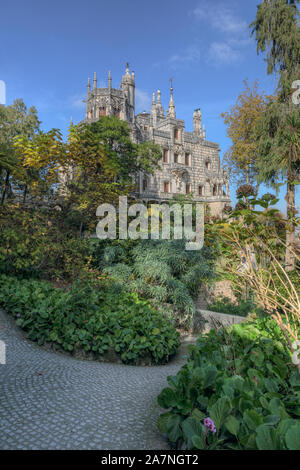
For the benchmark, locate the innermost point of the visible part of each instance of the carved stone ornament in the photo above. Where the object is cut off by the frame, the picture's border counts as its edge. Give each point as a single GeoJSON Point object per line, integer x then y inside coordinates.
{"type": "Point", "coordinates": [180, 174]}
{"type": "Point", "coordinates": [177, 148]}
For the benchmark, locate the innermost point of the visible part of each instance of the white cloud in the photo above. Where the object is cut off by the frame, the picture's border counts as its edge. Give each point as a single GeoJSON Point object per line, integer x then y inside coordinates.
{"type": "Point", "coordinates": [220, 17]}
{"type": "Point", "coordinates": [190, 54]}
{"type": "Point", "coordinates": [142, 100]}
{"type": "Point", "coordinates": [231, 30]}
{"type": "Point", "coordinates": [223, 53]}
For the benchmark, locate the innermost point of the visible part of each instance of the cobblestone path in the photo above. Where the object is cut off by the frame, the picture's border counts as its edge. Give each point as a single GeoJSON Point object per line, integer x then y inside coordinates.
{"type": "Point", "coordinates": [52, 401]}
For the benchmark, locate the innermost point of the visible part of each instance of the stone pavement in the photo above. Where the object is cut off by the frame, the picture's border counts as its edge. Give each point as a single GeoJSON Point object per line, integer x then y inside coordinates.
{"type": "Point", "coordinates": [53, 401]}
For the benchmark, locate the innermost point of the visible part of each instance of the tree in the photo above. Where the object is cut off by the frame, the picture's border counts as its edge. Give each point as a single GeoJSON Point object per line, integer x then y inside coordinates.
{"type": "Point", "coordinates": [241, 124]}
{"type": "Point", "coordinates": [95, 165]}
{"type": "Point", "coordinates": [277, 32]}
{"type": "Point", "coordinates": [253, 254]}
{"type": "Point", "coordinates": [38, 168]}
{"type": "Point", "coordinates": [103, 161]}
{"type": "Point", "coordinates": [15, 120]}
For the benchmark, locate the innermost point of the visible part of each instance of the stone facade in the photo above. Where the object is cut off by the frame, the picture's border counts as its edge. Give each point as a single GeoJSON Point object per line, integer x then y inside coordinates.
{"type": "Point", "coordinates": [190, 164]}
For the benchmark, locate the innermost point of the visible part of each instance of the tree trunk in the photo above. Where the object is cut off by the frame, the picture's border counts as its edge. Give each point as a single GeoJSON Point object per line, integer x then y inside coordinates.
{"type": "Point", "coordinates": [25, 194]}
{"type": "Point", "coordinates": [81, 230]}
{"type": "Point", "coordinates": [247, 174]}
{"type": "Point", "coordinates": [290, 262]}
{"type": "Point", "coordinates": [5, 187]}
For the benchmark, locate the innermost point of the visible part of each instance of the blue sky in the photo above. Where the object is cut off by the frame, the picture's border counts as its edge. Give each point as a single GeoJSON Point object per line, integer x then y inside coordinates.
{"type": "Point", "coordinates": [49, 49]}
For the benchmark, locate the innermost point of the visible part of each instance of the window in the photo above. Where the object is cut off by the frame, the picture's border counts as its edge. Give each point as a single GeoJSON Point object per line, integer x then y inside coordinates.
{"type": "Point", "coordinates": [176, 134]}
{"type": "Point", "coordinates": [145, 184]}
{"type": "Point", "coordinates": [188, 189]}
{"type": "Point", "coordinates": [166, 187]}
{"type": "Point", "coordinates": [214, 190]}
{"type": "Point", "coordinates": [207, 165]}
{"type": "Point", "coordinates": [200, 190]}
{"type": "Point", "coordinates": [176, 160]}
{"type": "Point", "coordinates": [102, 111]}
{"type": "Point", "coordinates": [166, 156]}
{"type": "Point", "coordinates": [187, 159]}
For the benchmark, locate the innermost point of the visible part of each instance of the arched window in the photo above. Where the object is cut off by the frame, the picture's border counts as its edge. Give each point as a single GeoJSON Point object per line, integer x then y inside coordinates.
{"type": "Point", "coordinates": [145, 183]}
{"type": "Point", "coordinates": [208, 165]}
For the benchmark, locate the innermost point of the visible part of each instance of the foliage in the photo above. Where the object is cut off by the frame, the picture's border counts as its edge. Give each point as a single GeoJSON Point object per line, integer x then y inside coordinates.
{"type": "Point", "coordinates": [253, 252]}
{"type": "Point", "coordinates": [246, 191]}
{"type": "Point", "coordinates": [277, 32]}
{"type": "Point", "coordinates": [242, 379]}
{"type": "Point", "coordinates": [91, 318]}
{"type": "Point", "coordinates": [15, 120]}
{"type": "Point", "coordinates": [243, 308]}
{"type": "Point", "coordinates": [161, 271]}
{"type": "Point", "coordinates": [241, 124]}
{"type": "Point", "coordinates": [40, 243]}
{"type": "Point", "coordinates": [94, 166]}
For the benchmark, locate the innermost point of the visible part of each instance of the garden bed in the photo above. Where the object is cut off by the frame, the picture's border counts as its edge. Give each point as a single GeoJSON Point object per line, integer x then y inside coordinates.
{"type": "Point", "coordinates": [89, 322]}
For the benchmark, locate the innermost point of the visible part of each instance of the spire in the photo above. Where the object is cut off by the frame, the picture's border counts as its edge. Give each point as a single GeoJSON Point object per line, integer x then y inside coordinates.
{"type": "Point", "coordinates": [159, 107]}
{"type": "Point", "coordinates": [71, 122]}
{"type": "Point", "coordinates": [95, 81]}
{"type": "Point", "coordinates": [109, 80]}
{"type": "Point", "coordinates": [204, 132]}
{"type": "Point", "coordinates": [127, 68]}
{"type": "Point", "coordinates": [158, 97]}
{"type": "Point", "coordinates": [171, 110]}
{"type": "Point", "coordinates": [89, 86]}
{"type": "Point", "coordinates": [153, 99]}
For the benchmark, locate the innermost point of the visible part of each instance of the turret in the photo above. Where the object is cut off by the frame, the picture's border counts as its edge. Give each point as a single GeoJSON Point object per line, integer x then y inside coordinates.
{"type": "Point", "coordinates": [153, 111]}
{"type": "Point", "coordinates": [109, 80]}
{"type": "Point", "coordinates": [171, 110]}
{"type": "Point", "coordinates": [128, 86]}
{"type": "Point", "coordinates": [197, 122]}
{"type": "Point", "coordinates": [159, 106]}
{"type": "Point", "coordinates": [95, 81]}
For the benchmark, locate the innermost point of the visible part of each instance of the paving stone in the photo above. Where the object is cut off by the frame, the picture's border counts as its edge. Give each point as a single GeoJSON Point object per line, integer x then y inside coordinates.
{"type": "Point", "coordinates": [76, 404]}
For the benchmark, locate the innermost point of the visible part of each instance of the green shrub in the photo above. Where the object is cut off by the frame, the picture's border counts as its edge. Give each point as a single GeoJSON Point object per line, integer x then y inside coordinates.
{"type": "Point", "coordinates": [161, 271]}
{"type": "Point", "coordinates": [244, 381]}
{"type": "Point", "coordinates": [89, 319]}
{"type": "Point", "coordinates": [243, 308]}
{"type": "Point", "coordinates": [34, 243]}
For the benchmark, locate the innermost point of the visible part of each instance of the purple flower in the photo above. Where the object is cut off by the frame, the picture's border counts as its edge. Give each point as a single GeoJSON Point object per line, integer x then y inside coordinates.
{"type": "Point", "coordinates": [210, 425]}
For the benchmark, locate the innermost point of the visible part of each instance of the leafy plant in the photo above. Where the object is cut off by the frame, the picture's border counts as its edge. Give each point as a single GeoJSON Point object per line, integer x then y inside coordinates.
{"type": "Point", "coordinates": [89, 318]}
{"type": "Point", "coordinates": [243, 308]}
{"type": "Point", "coordinates": [161, 271]}
{"type": "Point", "coordinates": [241, 379]}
